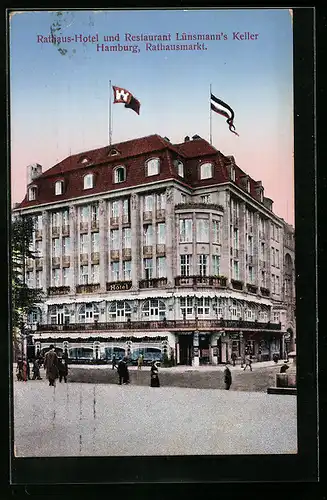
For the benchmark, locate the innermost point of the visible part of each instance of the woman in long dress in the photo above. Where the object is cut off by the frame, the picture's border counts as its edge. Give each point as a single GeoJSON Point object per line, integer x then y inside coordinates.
{"type": "Point", "coordinates": [154, 375]}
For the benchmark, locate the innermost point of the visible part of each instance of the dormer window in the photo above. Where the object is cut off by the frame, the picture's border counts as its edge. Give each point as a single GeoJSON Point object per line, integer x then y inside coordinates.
{"type": "Point", "coordinates": [248, 186]}
{"type": "Point", "coordinates": [180, 168]}
{"type": "Point", "coordinates": [59, 187]}
{"type": "Point", "coordinates": [119, 174]}
{"type": "Point", "coordinates": [32, 193]}
{"type": "Point", "coordinates": [232, 174]}
{"type": "Point", "coordinates": [113, 152]}
{"type": "Point", "coordinates": [206, 171]}
{"type": "Point", "coordinates": [152, 167]}
{"type": "Point", "coordinates": [88, 181]}
{"type": "Point", "coordinates": [261, 196]}
{"type": "Point", "coordinates": [84, 159]}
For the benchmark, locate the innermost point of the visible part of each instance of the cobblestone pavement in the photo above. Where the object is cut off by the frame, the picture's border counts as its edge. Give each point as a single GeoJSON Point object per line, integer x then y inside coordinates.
{"type": "Point", "coordinates": [77, 419]}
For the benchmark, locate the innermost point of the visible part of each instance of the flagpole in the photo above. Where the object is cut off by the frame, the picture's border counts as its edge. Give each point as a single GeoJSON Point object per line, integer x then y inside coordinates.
{"type": "Point", "coordinates": [210, 115]}
{"type": "Point", "coordinates": [109, 115]}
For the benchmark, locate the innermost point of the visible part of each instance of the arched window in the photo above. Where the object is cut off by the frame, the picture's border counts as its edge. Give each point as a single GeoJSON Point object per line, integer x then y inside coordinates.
{"type": "Point", "coordinates": [34, 315]}
{"type": "Point", "coordinates": [88, 313]}
{"type": "Point", "coordinates": [154, 309]}
{"type": "Point", "coordinates": [59, 188]}
{"type": "Point", "coordinates": [84, 159]}
{"type": "Point", "coordinates": [206, 171]}
{"type": "Point", "coordinates": [288, 264]}
{"type": "Point", "coordinates": [119, 311]}
{"type": "Point", "coordinates": [119, 174]}
{"type": "Point", "coordinates": [32, 192]}
{"type": "Point", "coordinates": [152, 167]}
{"type": "Point", "coordinates": [180, 168]}
{"type": "Point", "coordinates": [59, 315]}
{"type": "Point", "coordinates": [88, 181]}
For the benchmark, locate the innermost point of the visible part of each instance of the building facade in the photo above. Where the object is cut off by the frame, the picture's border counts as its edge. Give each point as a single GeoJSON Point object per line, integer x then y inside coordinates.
{"type": "Point", "coordinates": [158, 248]}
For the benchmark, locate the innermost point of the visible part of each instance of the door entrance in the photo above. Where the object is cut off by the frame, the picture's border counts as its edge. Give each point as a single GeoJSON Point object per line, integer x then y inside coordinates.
{"type": "Point", "coordinates": [204, 349]}
{"type": "Point", "coordinates": [185, 349]}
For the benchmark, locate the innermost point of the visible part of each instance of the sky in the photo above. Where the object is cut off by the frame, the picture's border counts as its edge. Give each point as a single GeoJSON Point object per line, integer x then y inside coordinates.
{"type": "Point", "coordinates": [59, 103]}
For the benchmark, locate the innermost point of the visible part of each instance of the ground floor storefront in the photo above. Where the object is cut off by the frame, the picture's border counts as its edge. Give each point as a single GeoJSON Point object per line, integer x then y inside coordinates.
{"type": "Point", "coordinates": [191, 348]}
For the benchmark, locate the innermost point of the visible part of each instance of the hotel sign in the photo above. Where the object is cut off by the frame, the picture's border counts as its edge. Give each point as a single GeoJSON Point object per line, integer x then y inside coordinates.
{"type": "Point", "coordinates": [118, 286]}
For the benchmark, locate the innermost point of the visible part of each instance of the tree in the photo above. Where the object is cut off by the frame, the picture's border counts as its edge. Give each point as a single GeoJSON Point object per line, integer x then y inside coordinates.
{"type": "Point", "coordinates": [23, 297]}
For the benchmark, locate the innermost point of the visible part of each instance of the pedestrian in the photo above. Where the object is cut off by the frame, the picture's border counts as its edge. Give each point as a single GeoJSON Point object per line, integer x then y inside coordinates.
{"type": "Point", "coordinates": [248, 362]}
{"type": "Point", "coordinates": [62, 369]}
{"type": "Point", "coordinates": [233, 357]}
{"type": "Point", "coordinates": [25, 370]}
{"type": "Point", "coordinates": [227, 378]}
{"type": "Point", "coordinates": [36, 370]}
{"type": "Point", "coordinates": [113, 362]}
{"type": "Point", "coordinates": [19, 370]}
{"type": "Point", "coordinates": [51, 365]}
{"type": "Point", "coordinates": [283, 368]}
{"type": "Point", "coordinates": [28, 368]}
{"type": "Point", "coordinates": [122, 370]}
{"type": "Point", "coordinates": [140, 362]}
{"type": "Point", "coordinates": [275, 358]}
{"type": "Point", "coordinates": [154, 375]}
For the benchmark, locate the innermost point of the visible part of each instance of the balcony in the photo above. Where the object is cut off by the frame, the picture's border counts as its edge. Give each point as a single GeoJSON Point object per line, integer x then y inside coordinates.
{"type": "Point", "coordinates": [84, 259]}
{"type": "Point", "coordinates": [39, 264]}
{"type": "Point", "coordinates": [114, 221]}
{"type": "Point", "coordinates": [55, 231]}
{"type": "Point", "coordinates": [161, 214]}
{"type": "Point", "coordinates": [161, 250]}
{"type": "Point", "coordinates": [58, 290]}
{"type": "Point", "coordinates": [153, 283]}
{"type": "Point", "coordinates": [66, 261]}
{"type": "Point", "coordinates": [147, 251]}
{"type": "Point", "coordinates": [117, 286]}
{"type": "Point", "coordinates": [127, 253]}
{"type": "Point", "coordinates": [114, 255]}
{"type": "Point", "coordinates": [65, 230]}
{"type": "Point", "coordinates": [201, 281]}
{"type": "Point", "coordinates": [90, 288]}
{"type": "Point", "coordinates": [95, 225]}
{"type": "Point", "coordinates": [84, 227]}
{"type": "Point", "coordinates": [170, 325]}
{"type": "Point", "coordinates": [265, 292]}
{"type": "Point", "coordinates": [147, 215]}
{"type": "Point", "coordinates": [237, 284]}
{"type": "Point", "coordinates": [55, 262]}
{"type": "Point", "coordinates": [95, 257]}
{"type": "Point", "coordinates": [38, 234]}
{"type": "Point", "coordinates": [199, 206]}
{"type": "Point", "coordinates": [251, 288]}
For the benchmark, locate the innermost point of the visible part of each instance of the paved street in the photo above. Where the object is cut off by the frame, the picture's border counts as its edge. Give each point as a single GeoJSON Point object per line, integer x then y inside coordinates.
{"type": "Point", "coordinates": [81, 419]}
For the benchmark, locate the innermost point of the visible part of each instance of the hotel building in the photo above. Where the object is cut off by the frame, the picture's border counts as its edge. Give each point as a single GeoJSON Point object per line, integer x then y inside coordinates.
{"type": "Point", "coordinates": [151, 247]}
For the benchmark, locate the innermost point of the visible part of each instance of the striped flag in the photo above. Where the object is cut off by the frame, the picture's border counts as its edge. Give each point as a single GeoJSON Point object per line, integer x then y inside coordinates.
{"type": "Point", "coordinates": [229, 114]}
{"type": "Point", "coordinates": [125, 97]}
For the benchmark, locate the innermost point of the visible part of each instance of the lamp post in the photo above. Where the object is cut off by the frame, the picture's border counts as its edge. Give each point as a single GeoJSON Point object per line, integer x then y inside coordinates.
{"type": "Point", "coordinates": [241, 348]}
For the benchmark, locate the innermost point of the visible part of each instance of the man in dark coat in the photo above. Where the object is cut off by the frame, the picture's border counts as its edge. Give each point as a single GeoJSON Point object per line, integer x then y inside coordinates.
{"type": "Point", "coordinates": [36, 370]}
{"type": "Point", "coordinates": [154, 376]}
{"type": "Point", "coordinates": [227, 378]}
{"type": "Point", "coordinates": [51, 365]}
{"type": "Point", "coordinates": [233, 356]}
{"type": "Point", "coordinates": [122, 370]}
{"type": "Point", "coordinates": [114, 362]}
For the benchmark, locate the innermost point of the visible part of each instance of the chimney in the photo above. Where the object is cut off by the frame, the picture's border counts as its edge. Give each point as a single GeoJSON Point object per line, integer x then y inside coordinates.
{"type": "Point", "coordinates": [196, 136]}
{"type": "Point", "coordinates": [231, 159]}
{"type": "Point", "coordinates": [186, 139]}
{"type": "Point", "coordinates": [33, 172]}
{"type": "Point", "coordinates": [166, 139]}
{"type": "Point", "coordinates": [259, 190]}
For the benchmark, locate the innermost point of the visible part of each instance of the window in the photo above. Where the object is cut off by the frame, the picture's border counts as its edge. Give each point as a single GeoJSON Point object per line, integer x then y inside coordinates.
{"type": "Point", "coordinates": [65, 276]}
{"type": "Point", "coordinates": [119, 174]}
{"type": "Point", "coordinates": [161, 201]}
{"type": "Point", "coordinates": [119, 311]}
{"type": "Point", "coordinates": [127, 237]}
{"type": "Point", "coordinates": [250, 245]}
{"type": "Point", "coordinates": [38, 247]}
{"type": "Point", "coordinates": [234, 211]}
{"type": "Point", "coordinates": [148, 235]}
{"type": "Point", "coordinates": [276, 317]}
{"type": "Point", "coordinates": [59, 187]}
{"type": "Point", "coordinates": [216, 265]}
{"type": "Point", "coordinates": [183, 198]}
{"type": "Point", "coordinates": [55, 219]}
{"type": "Point", "coordinates": [272, 256]}
{"type": "Point", "coordinates": [85, 213]}
{"type": "Point", "coordinates": [38, 223]}
{"type": "Point", "coordinates": [185, 267]}
{"type": "Point", "coordinates": [248, 186]}
{"type": "Point", "coordinates": [94, 242]}
{"type": "Point", "coordinates": [29, 279]}
{"type": "Point", "coordinates": [84, 275]}
{"type": "Point", "coordinates": [88, 313]}
{"type": "Point", "coordinates": [203, 306]}
{"type": "Point", "coordinates": [277, 285]}
{"type": "Point", "coordinates": [206, 171]}
{"type": "Point", "coordinates": [84, 243]}
{"type": "Point", "coordinates": [263, 279]}
{"type": "Point", "coordinates": [232, 174]}
{"type": "Point", "coordinates": [32, 193]}
{"type": "Point", "coordinates": [127, 270]}
{"type": "Point", "coordinates": [59, 315]}
{"type": "Point", "coordinates": [148, 203]}
{"type": "Point", "coordinates": [148, 268]}
{"type": "Point", "coordinates": [206, 198]}
{"type": "Point", "coordinates": [202, 264]}
{"type": "Point", "coordinates": [236, 274]}
{"type": "Point", "coordinates": [55, 247]}
{"type": "Point", "coordinates": [261, 195]}
{"type": "Point", "coordinates": [95, 212]}
{"type": "Point", "coordinates": [95, 276]}
{"type": "Point", "coordinates": [161, 234]}
{"type": "Point", "coordinates": [55, 277]}
{"type": "Point", "coordinates": [65, 218]}
{"type": "Point", "coordinates": [126, 209]}
{"type": "Point", "coordinates": [114, 239]}
{"type": "Point", "coordinates": [250, 275]}
{"type": "Point", "coordinates": [38, 279]}
{"type": "Point", "coordinates": [161, 267]}
{"type": "Point", "coordinates": [202, 230]}
{"type": "Point", "coordinates": [216, 231]}
{"type": "Point", "coordinates": [114, 271]}
{"type": "Point", "coordinates": [34, 315]}
{"type": "Point", "coordinates": [235, 239]}
{"type": "Point", "coordinates": [249, 221]}
{"type": "Point", "coordinates": [263, 251]}
{"type": "Point", "coordinates": [179, 168]}
{"type": "Point", "coordinates": [277, 258]}
{"type": "Point", "coordinates": [217, 307]}
{"type": "Point", "coordinates": [88, 181]}
{"type": "Point", "coordinates": [185, 230]}
{"type": "Point", "coordinates": [115, 209]}
{"type": "Point", "coordinates": [186, 305]}
{"type": "Point", "coordinates": [154, 309]}
{"type": "Point", "coordinates": [66, 245]}
{"type": "Point", "coordinates": [277, 233]}
{"type": "Point", "coordinates": [273, 283]}
{"type": "Point", "coordinates": [152, 167]}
